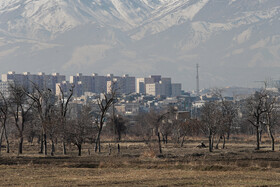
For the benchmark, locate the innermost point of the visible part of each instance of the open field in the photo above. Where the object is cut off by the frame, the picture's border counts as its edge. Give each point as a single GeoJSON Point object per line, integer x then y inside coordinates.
{"type": "Point", "coordinates": [139, 165]}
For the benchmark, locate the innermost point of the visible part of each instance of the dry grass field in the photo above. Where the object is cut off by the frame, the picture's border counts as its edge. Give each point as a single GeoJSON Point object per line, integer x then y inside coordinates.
{"type": "Point", "coordinates": [139, 165]}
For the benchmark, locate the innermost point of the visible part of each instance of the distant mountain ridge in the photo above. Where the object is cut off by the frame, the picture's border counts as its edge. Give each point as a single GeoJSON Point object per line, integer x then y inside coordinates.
{"type": "Point", "coordinates": [232, 40]}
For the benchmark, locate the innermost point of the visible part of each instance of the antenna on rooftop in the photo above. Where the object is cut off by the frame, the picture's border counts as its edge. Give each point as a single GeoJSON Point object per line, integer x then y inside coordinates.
{"type": "Point", "coordinates": [197, 80]}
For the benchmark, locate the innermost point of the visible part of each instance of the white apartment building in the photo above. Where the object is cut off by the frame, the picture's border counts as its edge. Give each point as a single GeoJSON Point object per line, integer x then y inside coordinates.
{"type": "Point", "coordinates": [141, 84]}
{"type": "Point", "coordinates": [154, 85]}
{"type": "Point", "coordinates": [153, 89]}
{"type": "Point", "coordinates": [28, 80]}
{"type": "Point", "coordinates": [65, 87]}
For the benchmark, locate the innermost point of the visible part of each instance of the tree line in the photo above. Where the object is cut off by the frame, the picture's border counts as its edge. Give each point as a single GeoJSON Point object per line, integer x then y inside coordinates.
{"type": "Point", "coordinates": [53, 120]}
{"type": "Point", "coordinates": [42, 114]}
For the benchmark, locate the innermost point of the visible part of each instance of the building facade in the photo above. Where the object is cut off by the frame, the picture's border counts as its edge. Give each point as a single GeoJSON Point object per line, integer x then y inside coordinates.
{"type": "Point", "coordinates": [122, 85]}
{"type": "Point", "coordinates": [176, 89]}
{"type": "Point", "coordinates": [28, 81]}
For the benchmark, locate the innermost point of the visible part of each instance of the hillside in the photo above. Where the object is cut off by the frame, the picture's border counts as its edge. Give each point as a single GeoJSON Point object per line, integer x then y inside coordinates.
{"type": "Point", "coordinates": [235, 42]}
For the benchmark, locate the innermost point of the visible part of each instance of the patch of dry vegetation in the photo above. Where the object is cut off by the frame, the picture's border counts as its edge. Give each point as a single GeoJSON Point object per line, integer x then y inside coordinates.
{"type": "Point", "coordinates": [140, 165]}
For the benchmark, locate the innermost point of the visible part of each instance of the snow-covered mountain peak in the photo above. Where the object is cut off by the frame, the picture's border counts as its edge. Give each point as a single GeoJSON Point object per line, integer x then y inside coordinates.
{"type": "Point", "coordinates": [152, 36]}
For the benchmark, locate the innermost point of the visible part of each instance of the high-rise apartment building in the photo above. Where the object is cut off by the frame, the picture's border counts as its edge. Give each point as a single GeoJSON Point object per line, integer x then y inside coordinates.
{"type": "Point", "coordinates": [123, 85]}
{"type": "Point", "coordinates": [166, 88]}
{"type": "Point", "coordinates": [90, 83]}
{"type": "Point", "coordinates": [154, 85]}
{"type": "Point", "coordinates": [176, 89]}
{"type": "Point", "coordinates": [153, 89]}
{"type": "Point", "coordinates": [28, 81]}
{"type": "Point", "coordinates": [100, 83]}
{"type": "Point", "coordinates": [66, 86]}
{"type": "Point", "coordinates": [156, 78]}
{"type": "Point", "coordinates": [141, 84]}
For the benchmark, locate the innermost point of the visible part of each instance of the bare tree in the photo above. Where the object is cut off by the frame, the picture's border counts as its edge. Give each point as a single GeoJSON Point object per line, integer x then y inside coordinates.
{"type": "Point", "coordinates": [63, 109]}
{"type": "Point", "coordinates": [53, 127]}
{"type": "Point", "coordinates": [118, 124]}
{"type": "Point", "coordinates": [32, 130]}
{"type": "Point", "coordinates": [167, 125]}
{"type": "Point", "coordinates": [19, 108]}
{"type": "Point", "coordinates": [3, 121]}
{"type": "Point", "coordinates": [156, 118]}
{"type": "Point", "coordinates": [211, 117]}
{"type": "Point", "coordinates": [80, 128]}
{"type": "Point", "coordinates": [229, 111]}
{"type": "Point", "coordinates": [43, 102]}
{"type": "Point", "coordinates": [104, 105]}
{"type": "Point", "coordinates": [271, 117]}
{"type": "Point", "coordinates": [190, 127]}
{"type": "Point", "coordinates": [144, 127]}
{"type": "Point", "coordinates": [256, 110]}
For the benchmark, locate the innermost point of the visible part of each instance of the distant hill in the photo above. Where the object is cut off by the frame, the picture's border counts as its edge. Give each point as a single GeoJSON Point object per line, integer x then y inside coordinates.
{"type": "Point", "coordinates": [234, 41]}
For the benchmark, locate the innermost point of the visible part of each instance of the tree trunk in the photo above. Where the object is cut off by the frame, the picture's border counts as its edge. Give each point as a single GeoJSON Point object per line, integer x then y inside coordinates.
{"type": "Point", "coordinates": [97, 143]}
{"type": "Point", "coordinates": [8, 145]}
{"type": "Point", "coordinates": [7, 140]}
{"type": "Point", "coordinates": [271, 136]}
{"type": "Point", "coordinates": [64, 148]}
{"type": "Point", "coordinates": [109, 149]}
{"type": "Point", "coordinates": [119, 149]}
{"type": "Point", "coordinates": [80, 149]}
{"type": "Point", "coordinates": [228, 135]}
{"type": "Point", "coordinates": [182, 143]}
{"type": "Point", "coordinates": [53, 148]}
{"type": "Point", "coordinates": [272, 142]}
{"type": "Point", "coordinates": [210, 142]}
{"type": "Point", "coordinates": [41, 142]}
{"type": "Point", "coordinates": [1, 138]}
{"type": "Point", "coordinates": [159, 143]}
{"type": "Point", "coordinates": [20, 144]}
{"type": "Point", "coordinates": [258, 138]}
{"type": "Point", "coordinates": [217, 145]}
{"type": "Point", "coordinates": [45, 144]}
{"type": "Point", "coordinates": [41, 145]}
{"type": "Point", "coordinates": [0, 145]}
{"type": "Point", "coordinates": [224, 143]}
{"type": "Point", "coordinates": [163, 138]}
{"type": "Point", "coordinates": [260, 134]}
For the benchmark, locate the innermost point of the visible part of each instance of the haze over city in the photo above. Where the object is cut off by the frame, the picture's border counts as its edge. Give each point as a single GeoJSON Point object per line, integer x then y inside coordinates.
{"type": "Point", "coordinates": [235, 42]}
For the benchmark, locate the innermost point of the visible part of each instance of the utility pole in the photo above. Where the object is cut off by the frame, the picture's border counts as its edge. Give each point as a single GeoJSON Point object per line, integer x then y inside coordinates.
{"type": "Point", "coordinates": [197, 80]}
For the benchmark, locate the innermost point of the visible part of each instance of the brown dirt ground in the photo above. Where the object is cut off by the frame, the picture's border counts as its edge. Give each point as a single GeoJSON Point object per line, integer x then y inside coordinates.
{"type": "Point", "coordinates": [141, 165]}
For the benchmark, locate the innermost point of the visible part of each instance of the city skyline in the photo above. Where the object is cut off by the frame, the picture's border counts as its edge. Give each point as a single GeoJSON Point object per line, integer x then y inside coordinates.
{"type": "Point", "coordinates": [259, 83]}
{"type": "Point", "coordinates": [94, 83]}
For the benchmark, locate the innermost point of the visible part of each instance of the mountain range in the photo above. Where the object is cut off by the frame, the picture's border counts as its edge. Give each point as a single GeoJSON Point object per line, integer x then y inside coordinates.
{"type": "Point", "coordinates": [235, 42]}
